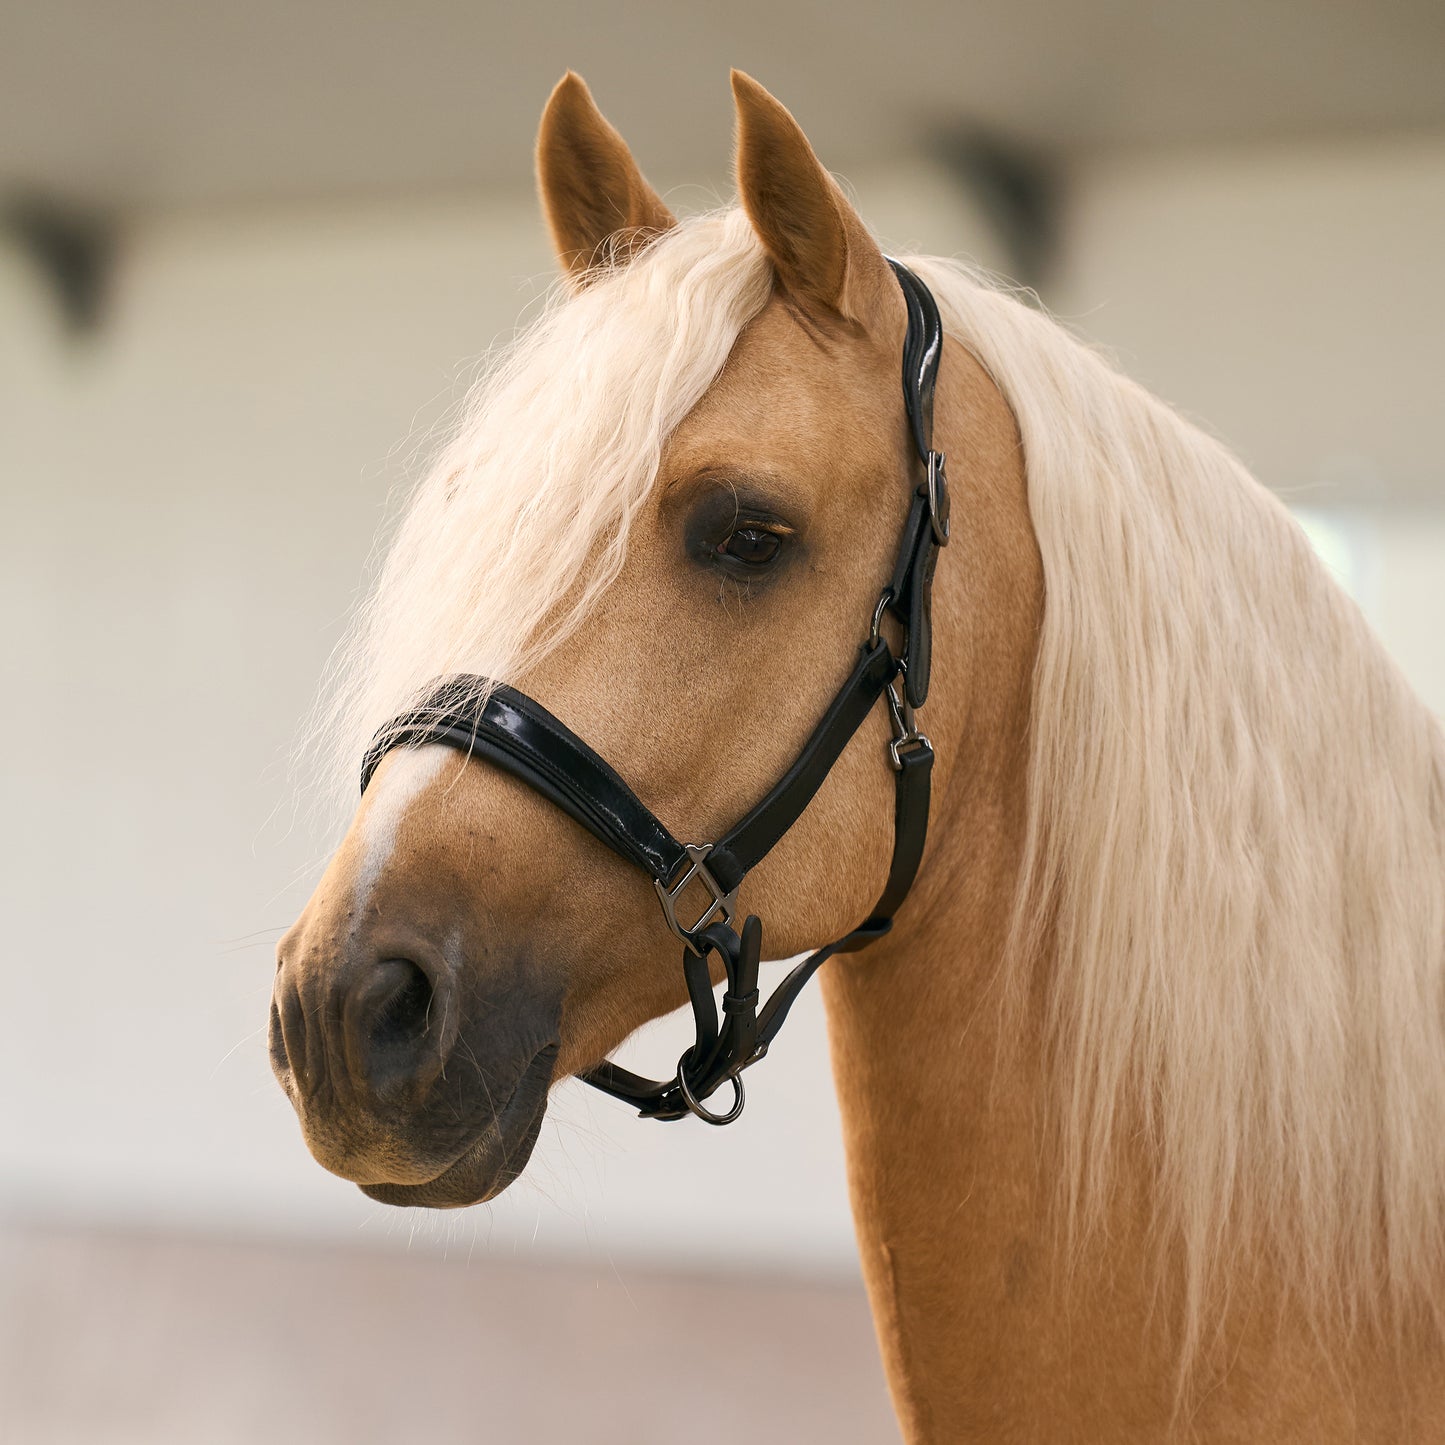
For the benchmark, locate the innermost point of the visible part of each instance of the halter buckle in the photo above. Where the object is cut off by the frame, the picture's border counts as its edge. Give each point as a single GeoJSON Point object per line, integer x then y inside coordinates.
{"type": "Point", "coordinates": [938, 506]}
{"type": "Point", "coordinates": [723, 905]}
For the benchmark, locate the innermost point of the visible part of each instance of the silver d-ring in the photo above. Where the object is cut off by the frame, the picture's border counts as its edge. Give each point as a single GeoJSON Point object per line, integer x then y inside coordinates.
{"type": "Point", "coordinates": [938, 506]}
{"type": "Point", "coordinates": [874, 636]}
{"type": "Point", "coordinates": [701, 1111]}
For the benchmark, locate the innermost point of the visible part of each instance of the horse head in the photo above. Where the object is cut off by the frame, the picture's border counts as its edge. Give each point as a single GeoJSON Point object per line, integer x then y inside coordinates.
{"type": "Point", "coordinates": [669, 523]}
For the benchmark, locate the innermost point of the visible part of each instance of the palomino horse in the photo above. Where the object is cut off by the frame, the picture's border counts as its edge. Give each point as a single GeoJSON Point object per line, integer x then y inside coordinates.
{"type": "Point", "coordinates": [1144, 1093]}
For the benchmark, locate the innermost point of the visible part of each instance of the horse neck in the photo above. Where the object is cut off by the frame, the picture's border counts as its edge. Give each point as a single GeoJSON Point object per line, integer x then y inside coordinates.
{"type": "Point", "coordinates": [939, 1080]}
{"type": "Point", "coordinates": [984, 1313]}
{"type": "Point", "coordinates": [937, 1067]}
{"type": "Point", "coordinates": [941, 1123]}
{"type": "Point", "coordinates": [991, 1325]}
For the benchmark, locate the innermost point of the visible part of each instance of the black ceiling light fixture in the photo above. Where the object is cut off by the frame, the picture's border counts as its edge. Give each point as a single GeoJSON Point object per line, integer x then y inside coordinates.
{"type": "Point", "coordinates": [1020, 191]}
{"type": "Point", "coordinates": [73, 249]}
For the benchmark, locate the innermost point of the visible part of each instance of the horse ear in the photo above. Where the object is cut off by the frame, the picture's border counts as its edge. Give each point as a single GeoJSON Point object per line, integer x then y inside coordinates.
{"type": "Point", "coordinates": [818, 243]}
{"type": "Point", "coordinates": [599, 207]}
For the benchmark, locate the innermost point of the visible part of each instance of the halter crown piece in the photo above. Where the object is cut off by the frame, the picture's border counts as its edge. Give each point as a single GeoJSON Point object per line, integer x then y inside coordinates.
{"type": "Point", "coordinates": [520, 736]}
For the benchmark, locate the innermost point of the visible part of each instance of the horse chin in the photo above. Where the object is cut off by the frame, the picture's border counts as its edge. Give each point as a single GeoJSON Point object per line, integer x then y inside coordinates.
{"type": "Point", "coordinates": [494, 1158]}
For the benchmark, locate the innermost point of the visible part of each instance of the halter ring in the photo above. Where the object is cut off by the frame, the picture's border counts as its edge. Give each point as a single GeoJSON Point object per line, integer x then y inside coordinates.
{"type": "Point", "coordinates": [874, 635]}
{"type": "Point", "coordinates": [938, 498]}
{"type": "Point", "coordinates": [699, 1110]}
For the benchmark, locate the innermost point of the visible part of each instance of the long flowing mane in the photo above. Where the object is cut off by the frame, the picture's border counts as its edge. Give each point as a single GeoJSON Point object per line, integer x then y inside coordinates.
{"type": "Point", "coordinates": [1236, 833]}
{"type": "Point", "coordinates": [1235, 849]}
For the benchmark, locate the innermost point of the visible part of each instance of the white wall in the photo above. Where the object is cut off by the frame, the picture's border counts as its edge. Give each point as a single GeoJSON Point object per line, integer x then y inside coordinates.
{"type": "Point", "coordinates": [188, 500]}
{"type": "Point", "coordinates": [1290, 297]}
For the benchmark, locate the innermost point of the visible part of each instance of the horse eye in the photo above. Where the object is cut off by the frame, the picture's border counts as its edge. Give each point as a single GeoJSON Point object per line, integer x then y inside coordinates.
{"type": "Point", "coordinates": [752, 546]}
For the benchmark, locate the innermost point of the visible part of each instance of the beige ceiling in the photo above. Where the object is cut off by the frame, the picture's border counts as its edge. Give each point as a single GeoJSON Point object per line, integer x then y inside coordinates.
{"type": "Point", "coordinates": [136, 102]}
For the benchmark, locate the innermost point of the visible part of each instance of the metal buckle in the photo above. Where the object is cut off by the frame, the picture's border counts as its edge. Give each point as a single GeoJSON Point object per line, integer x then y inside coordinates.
{"type": "Point", "coordinates": [914, 740]}
{"type": "Point", "coordinates": [938, 505]}
{"type": "Point", "coordinates": [905, 728]}
{"type": "Point", "coordinates": [724, 904]}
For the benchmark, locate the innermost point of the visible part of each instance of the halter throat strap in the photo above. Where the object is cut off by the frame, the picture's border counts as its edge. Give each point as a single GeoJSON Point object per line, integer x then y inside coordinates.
{"type": "Point", "coordinates": [495, 722]}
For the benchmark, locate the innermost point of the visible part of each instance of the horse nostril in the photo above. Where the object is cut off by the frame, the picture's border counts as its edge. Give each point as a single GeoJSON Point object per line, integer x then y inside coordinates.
{"type": "Point", "coordinates": [402, 1007]}
{"type": "Point", "coordinates": [394, 1030]}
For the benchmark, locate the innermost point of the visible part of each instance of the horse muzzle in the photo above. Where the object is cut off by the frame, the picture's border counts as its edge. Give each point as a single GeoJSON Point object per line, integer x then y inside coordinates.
{"type": "Point", "coordinates": [412, 1074]}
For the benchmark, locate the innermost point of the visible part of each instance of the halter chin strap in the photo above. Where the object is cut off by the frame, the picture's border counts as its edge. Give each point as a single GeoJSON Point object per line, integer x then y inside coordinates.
{"type": "Point", "coordinates": [521, 737]}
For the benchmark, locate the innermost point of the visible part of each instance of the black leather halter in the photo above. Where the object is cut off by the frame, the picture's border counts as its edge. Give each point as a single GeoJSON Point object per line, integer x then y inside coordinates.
{"type": "Point", "coordinates": [520, 736]}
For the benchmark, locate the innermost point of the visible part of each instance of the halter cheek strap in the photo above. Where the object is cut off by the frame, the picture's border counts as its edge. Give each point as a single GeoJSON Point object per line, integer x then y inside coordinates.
{"type": "Point", "coordinates": [519, 735]}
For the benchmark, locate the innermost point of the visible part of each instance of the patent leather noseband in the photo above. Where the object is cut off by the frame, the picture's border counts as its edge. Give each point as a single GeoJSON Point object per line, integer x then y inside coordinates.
{"type": "Point", "coordinates": [505, 727]}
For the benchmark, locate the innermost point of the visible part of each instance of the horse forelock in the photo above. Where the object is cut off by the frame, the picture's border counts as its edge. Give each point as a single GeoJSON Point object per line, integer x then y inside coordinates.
{"type": "Point", "coordinates": [525, 514]}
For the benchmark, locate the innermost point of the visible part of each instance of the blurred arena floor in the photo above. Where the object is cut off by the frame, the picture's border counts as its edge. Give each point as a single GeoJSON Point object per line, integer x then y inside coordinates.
{"type": "Point", "coordinates": [152, 1339]}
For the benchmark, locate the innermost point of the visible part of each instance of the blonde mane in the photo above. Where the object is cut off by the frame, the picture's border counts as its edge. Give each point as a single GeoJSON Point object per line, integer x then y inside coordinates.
{"type": "Point", "coordinates": [1236, 835]}
{"type": "Point", "coordinates": [1235, 852]}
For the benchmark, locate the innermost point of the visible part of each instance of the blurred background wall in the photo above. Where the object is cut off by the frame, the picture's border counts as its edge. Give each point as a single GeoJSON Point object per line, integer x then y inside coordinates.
{"type": "Point", "coordinates": [250, 260]}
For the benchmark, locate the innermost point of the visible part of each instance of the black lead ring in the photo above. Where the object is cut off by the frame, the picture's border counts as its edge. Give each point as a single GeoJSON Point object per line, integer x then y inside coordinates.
{"type": "Point", "coordinates": [699, 1110]}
